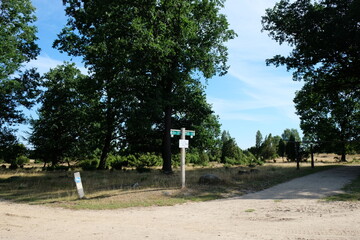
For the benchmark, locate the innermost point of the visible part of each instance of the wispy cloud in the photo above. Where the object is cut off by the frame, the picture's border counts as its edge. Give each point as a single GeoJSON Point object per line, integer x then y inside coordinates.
{"type": "Point", "coordinates": [44, 63]}
{"type": "Point", "coordinates": [262, 87]}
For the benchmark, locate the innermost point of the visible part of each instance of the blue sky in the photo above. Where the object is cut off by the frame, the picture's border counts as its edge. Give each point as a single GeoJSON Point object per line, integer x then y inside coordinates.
{"type": "Point", "coordinates": [251, 97]}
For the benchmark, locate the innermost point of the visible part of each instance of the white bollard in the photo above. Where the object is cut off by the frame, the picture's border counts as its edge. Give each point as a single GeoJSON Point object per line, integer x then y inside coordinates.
{"type": "Point", "coordinates": [79, 185]}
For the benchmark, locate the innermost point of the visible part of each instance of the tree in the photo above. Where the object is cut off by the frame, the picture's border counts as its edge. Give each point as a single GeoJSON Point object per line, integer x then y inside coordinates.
{"type": "Point", "coordinates": [288, 132]}
{"type": "Point", "coordinates": [281, 148]}
{"type": "Point", "coordinates": [292, 148]}
{"type": "Point", "coordinates": [229, 150]}
{"type": "Point", "coordinates": [259, 139]}
{"type": "Point", "coordinates": [152, 45]}
{"type": "Point", "coordinates": [17, 46]}
{"type": "Point", "coordinates": [268, 148]}
{"type": "Point", "coordinates": [325, 37]}
{"type": "Point", "coordinates": [63, 128]}
{"type": "Point", "coordinates": [332, 121]}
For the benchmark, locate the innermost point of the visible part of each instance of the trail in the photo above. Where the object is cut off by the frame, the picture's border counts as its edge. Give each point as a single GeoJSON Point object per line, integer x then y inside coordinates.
{"type": "Point", "coordinates": [290, 210]}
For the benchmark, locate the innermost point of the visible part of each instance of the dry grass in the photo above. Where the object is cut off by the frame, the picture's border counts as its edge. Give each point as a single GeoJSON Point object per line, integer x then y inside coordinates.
{"type": "Point", "coordinates": [120, 189]}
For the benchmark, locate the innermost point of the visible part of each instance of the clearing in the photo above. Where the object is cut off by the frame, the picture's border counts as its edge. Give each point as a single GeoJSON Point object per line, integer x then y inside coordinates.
{"type": "Point", "coordinates": [290, 210]}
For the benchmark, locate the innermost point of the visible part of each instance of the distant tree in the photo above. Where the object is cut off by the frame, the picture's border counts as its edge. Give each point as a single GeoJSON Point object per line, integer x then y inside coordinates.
{"type": "Point", "coordinates": [63, 126]}
{"type": "Point", "coordinates": [325, 37]}
{"type": "Point", "coordinates": [229, 149]}
{"type": "Point", "coordinates": [10, 148]}
{"type": "Point", "coordinates": [281, 148]}
{"type": "Point", "coordinates": [292, 148]}
{"type": "Point", "coordinates": [258, 142]}
{"type": "Point", "coordinates": [268, 148]}
{"type": "Point", "coordinates": [332, 121]}
{"type": "Point", "coordinates": [288, 132]}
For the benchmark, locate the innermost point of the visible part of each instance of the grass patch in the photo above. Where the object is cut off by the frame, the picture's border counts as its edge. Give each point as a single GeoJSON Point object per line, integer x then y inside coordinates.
{"type": "Point", "coordinates": [352, 192]}
{"type": "Point", "coordinates": [250, 210]}
{"type": "Point", "coordinates": [123, 189]}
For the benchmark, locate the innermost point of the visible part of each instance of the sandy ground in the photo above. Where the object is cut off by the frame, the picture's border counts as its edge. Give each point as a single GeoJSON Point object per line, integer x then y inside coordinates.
{"type": "Point", "coordinates": [288, 211]}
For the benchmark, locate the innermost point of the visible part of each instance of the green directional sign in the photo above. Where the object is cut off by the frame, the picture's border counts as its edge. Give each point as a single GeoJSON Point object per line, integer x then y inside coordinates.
{"type": "Point", "coordinates": [189, 133]}
{"type": "Point", "coordinates": [175, 132]}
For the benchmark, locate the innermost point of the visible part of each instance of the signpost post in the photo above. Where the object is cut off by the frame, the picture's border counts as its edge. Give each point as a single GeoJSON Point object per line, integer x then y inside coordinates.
{"type": "Point", "coordinates": [183, 144]}
{"type": "Point", "coordinates": [183, 152]}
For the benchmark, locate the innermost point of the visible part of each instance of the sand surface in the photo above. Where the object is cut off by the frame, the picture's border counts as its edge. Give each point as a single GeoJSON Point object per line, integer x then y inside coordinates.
{"type": "Point", "coordinates": [287, 211]}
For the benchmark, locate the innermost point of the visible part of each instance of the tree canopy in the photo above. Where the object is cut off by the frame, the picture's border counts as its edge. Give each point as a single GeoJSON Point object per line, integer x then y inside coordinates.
{"type": "Point", "coordinates": [146, 53]}
{"type": "Point", "coordinates": [325, 37]}
{"type": "Point", "coordinates": [17, 46]}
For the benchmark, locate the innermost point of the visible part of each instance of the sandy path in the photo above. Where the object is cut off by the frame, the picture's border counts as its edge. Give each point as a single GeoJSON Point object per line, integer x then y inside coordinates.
{"type": "Point", "coordinates": [287, 211]}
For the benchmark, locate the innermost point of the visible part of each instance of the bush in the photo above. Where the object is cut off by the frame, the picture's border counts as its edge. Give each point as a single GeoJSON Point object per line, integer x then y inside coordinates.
{"type": "Point", "coordinates": [140, 162]}
{"type": "Point", "coordinates": [193, 158]}
{"type": "Point", "coordinates": [117, 162]}
{"type": "Point", "coordinates": [197, 158]}
{"type": "Point", "coordinates": [19, 162]}
{"type": "Point", "coordinates": [22, 160]}
{"type": "Point", "coordinates": [89, 165]}
{"type": "Point", "coordinates": [149, 160]}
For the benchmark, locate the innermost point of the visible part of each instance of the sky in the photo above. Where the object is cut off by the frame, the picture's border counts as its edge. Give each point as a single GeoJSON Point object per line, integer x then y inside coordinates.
{"type": "Point", "coordinates": [251, 97]}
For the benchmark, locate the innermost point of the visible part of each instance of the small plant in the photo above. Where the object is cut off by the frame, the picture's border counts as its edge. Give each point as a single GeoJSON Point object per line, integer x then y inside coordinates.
{"type": "Point", "coordinates": [250, 210]}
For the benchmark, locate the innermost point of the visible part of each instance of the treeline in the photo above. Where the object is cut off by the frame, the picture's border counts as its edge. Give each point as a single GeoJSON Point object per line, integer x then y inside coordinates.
{"type": "Point", "coordinates": [290, 147]}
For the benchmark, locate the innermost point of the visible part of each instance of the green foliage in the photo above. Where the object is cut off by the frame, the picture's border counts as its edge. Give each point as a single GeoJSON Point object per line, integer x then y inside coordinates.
{"type": "Point", "coordinates": [268, 148]}
{"type": "Point", "coordinates": [17, 36]}
{"type": "Point", "coordinates": [17, 46]}
{"type": "Point", "coordinates": [90, 164]}
{"type": "Point", "coordinates": [197, 158]}
{"type": "Point", "coordinates": [139, 161]}
{"type": "Point", "coordinates": [144, 54]}
{"type": "Point", "coordinates": [63, 128]}
{"type": "Point", "coordinates": [326, 40]}
{"type": "Point", "coordinates": [22, 160]}
{"type": "Point", "coordinates": [292, 148]}
{"type": "Point", "coordinates": [148, 160]}
{"type": "Point", "coordinates": [117, 162]}
{"type": "Point", "coordinates": [259, 140]}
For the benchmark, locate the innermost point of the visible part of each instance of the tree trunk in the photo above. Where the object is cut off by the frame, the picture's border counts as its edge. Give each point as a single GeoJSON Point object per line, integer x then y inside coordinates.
{"type": "Point", "coordinates": [105, 150]}
{"type": "Point", "coordinates": [108, 135]}
{"type": "Point", "coordinates": [343, 152]}
{"type": "Point", "coordinates": [166, 152]}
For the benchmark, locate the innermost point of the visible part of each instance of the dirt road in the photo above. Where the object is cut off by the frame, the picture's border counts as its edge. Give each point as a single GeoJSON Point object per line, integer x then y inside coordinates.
{"type": "Point", "coordinates": [287, 211]}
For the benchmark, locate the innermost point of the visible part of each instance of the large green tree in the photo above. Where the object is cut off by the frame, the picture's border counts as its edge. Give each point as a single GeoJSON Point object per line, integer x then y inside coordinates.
{"type": "Point", "coordinates": [153, 46]}
{"type": "Point", "coordinates": [325, 37]}
{"type": "Point", "coordinates": [17, 46]}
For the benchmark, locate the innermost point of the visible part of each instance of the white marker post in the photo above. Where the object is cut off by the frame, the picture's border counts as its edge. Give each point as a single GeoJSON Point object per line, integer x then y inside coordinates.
{"type": "Point", "coordinates": [79, 185]}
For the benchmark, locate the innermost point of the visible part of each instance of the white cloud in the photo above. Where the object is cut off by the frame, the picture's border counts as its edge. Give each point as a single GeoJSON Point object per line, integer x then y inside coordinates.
{"type": "Point", "coordinates": [44, 63]}
{"type": "Point", "coordinates": [262, 87]}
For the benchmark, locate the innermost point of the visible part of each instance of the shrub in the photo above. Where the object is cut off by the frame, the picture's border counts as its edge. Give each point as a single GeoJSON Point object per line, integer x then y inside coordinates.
{"type": "Point", "coordinates": [193, 158]}
{"type": "Point", "coordinates": [149, 160]}
{"type": "Point", "coordinates": [19, 162]}
{"type": "Point", "coordinates": [22, 160]}
{"type": "Point", "coordinates": [117, 162]}
{"type": "Point", "coordinates": [89, 165]}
